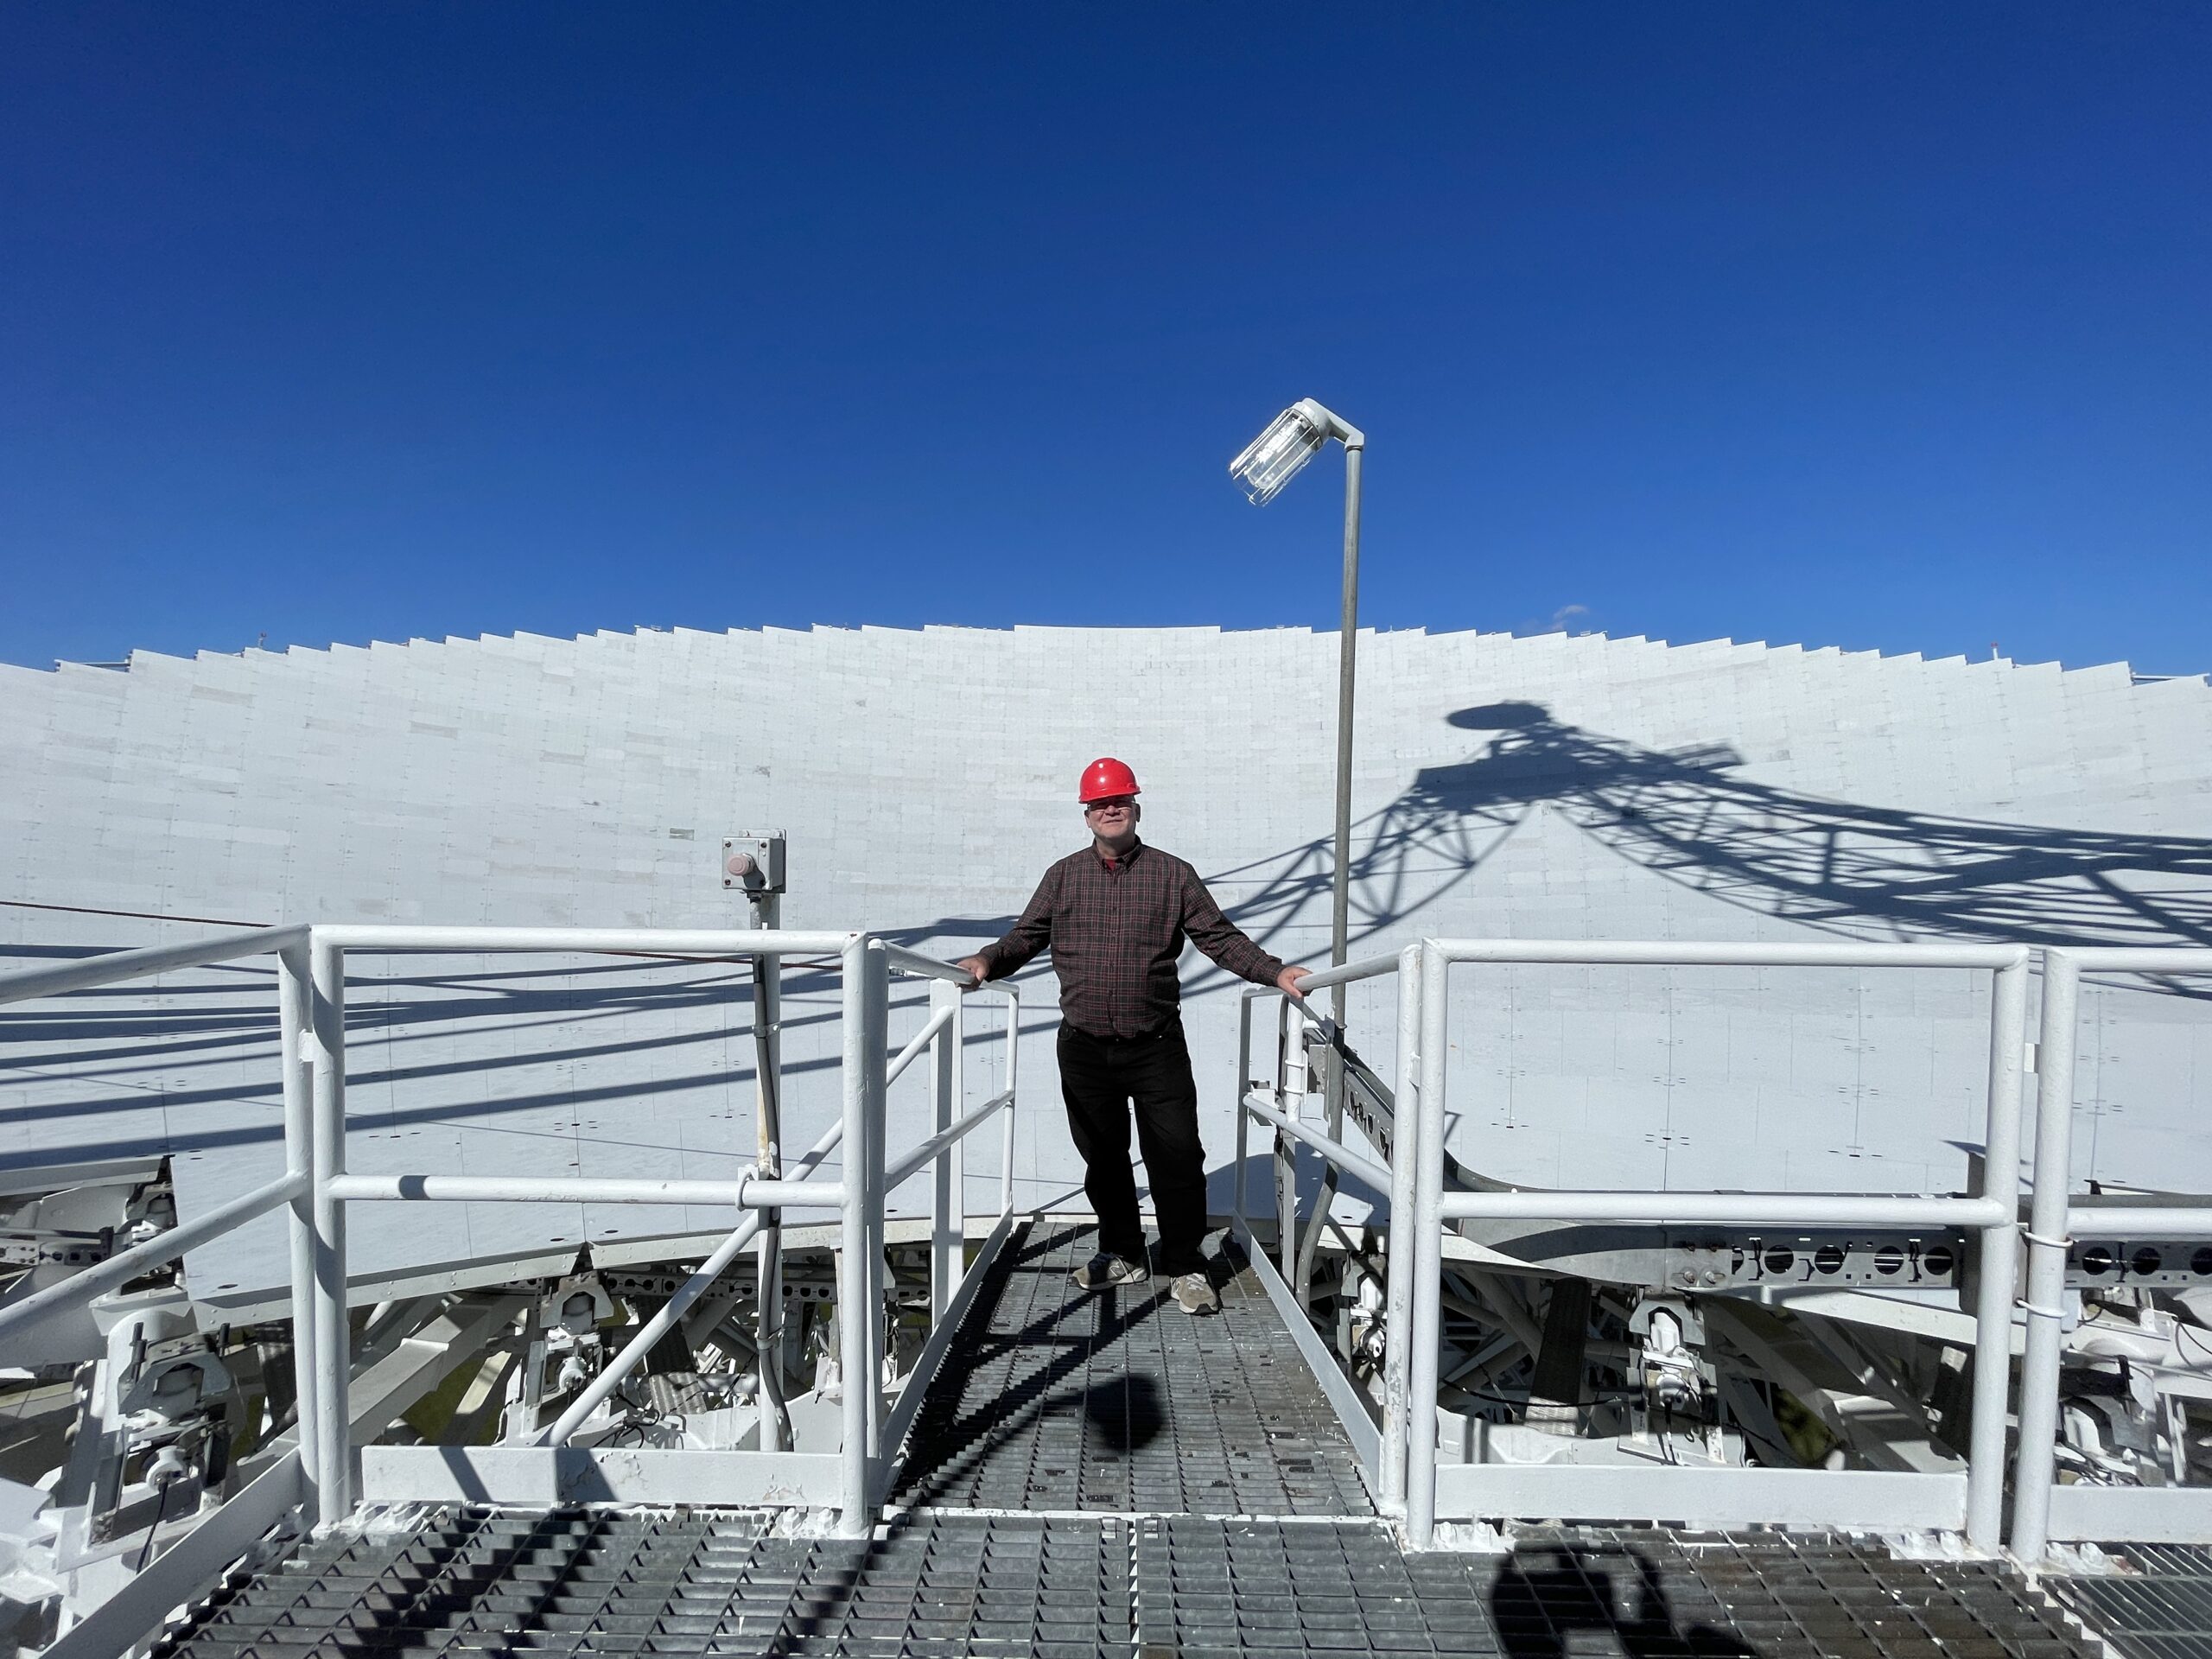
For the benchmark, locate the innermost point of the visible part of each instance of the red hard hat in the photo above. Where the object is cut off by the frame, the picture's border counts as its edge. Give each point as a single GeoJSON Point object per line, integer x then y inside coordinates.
{"type": "Point", "coordinates": [1107, 777]}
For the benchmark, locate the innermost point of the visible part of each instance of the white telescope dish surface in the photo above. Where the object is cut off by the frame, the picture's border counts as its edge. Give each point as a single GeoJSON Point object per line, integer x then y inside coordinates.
{"type": "Point", "coordinates": [1538, 787]}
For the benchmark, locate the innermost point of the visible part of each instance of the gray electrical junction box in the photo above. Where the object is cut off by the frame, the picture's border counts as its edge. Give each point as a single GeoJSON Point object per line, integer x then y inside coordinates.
{"type": "Point", "coordinates": [755, 862]}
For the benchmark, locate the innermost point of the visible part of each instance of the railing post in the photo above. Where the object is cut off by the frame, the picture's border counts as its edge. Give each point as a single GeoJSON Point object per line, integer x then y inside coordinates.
{"type": "Point", "coordinates": [334, 1362]}
{"type": "Point", "coordinates": [768, 1158]}
{"type": "Point", "coordinates": [860, 1046]}
{"type": "Point", "coordinates": [876, 976]}
{"type": "Point", "coordinates": [1398, 1262]}
{"type": "Point", "coordinates": [1244, 1122]}
{"type": "Point", "coordinates": [294, 1006]}
{"type": "Point", "coordinates": [1999, 1259]}
{"type": "Point", "coordinates": [1005, 1130]}
{"type": "Point", "coordinates": [1287, 1151]}
{"type": "Point", "coordinates": [955, 1040]}
{"type": "Point", "coordinates": [1427, 1289]}
{"type": "Point", "coordinates": [2037, 1463]}
{"type": "Point", "coordinates": [948, 1182]}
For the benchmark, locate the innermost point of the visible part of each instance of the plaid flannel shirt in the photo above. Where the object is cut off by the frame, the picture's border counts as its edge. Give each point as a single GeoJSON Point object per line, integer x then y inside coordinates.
{"type": "Point", "coordinates": [1115, 928]}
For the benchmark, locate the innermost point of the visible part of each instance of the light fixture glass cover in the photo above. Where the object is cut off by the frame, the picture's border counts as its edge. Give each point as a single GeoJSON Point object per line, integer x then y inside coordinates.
{"type": "Point", "coordinates": [1273, 459]}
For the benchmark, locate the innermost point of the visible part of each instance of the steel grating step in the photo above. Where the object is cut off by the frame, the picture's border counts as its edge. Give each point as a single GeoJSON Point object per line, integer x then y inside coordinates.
{"type": "Point", "coordinates": [1115, 1402]}
{"type": "Point", "coordinates": [468, 1582]}
{"type": "Point", "coordinates": [1213, 1587]}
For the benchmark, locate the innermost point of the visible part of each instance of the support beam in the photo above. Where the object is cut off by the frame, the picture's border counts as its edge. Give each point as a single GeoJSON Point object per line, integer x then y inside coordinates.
{"type": "Point", "coordinates": [1555, 1393]}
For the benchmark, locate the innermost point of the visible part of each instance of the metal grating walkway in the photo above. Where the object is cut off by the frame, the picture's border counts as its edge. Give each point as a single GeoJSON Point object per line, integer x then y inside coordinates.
{"type": "Point", "coordinates": [460, 1583]}
{"type": "Point", "coordinates": [2156, 1604]}
{"type": "Point", "coordinates": [1116, 1402]}
{"type": "Point", "coordinates": [1187, 1492]}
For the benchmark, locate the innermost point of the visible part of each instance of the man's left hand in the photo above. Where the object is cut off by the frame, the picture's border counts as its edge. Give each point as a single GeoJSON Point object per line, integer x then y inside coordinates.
{"type": "Point", "coordinates": [1287, 981]}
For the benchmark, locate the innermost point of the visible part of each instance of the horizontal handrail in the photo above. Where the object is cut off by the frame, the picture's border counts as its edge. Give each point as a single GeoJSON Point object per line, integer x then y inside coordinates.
{"type": "Point", "coordinates": [1321, 979]}
{"type": "Point", "coordinates": [917, 965]}
{"type": "Point", "coordinates": [654, 941]}
{"type": "Point", "coordinates": [1743, 1209]}
{"type": "Point", "coordinates": [2172, 959]}
{"type": "Point", "coordinates": [1603, 953]}
{"type": "Point", "coordinates": [113, 966]}
{"type": "Point", "coordinates": [907, 1167]}
{"type": "Point", "coordinates": [144, 1258]}
{"type": "Point", "coordinates": [746, 1191]}
{"type": "Point", "coordinates": [1375, 1174]}
{"type": "Point", "coordinates": [2161, 1221]}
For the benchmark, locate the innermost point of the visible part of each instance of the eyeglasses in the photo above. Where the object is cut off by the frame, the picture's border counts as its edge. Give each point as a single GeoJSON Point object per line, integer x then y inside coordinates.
{"type": "Point", "coordinates": [1120, 805]}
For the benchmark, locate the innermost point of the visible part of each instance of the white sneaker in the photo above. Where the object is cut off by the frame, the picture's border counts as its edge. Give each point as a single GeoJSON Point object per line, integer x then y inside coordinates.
{"type": "Point", "coordinates": [1194, 1293]}
{"type": "Point", "coordinates": [1103, 1272]}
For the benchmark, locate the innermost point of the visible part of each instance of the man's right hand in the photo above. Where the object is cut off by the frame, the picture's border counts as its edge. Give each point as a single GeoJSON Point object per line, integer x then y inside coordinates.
{"type": "Point", "coordinates": [977, 966]}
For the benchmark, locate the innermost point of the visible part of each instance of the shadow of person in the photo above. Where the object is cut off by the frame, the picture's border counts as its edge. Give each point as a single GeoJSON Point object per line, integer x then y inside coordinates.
{"type": "Point", "coordinates": [1123, 1413]}
{"type": "Point", "coordinates": [1543, 1595]}
{"type": "Point", "coordinates": [970, 1418]}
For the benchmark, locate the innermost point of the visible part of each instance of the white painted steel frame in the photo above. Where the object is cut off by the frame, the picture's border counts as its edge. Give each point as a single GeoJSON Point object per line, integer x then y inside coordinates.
{"type": "Point", "coordinates": [189, 1568]}
{"type": "Point", "coordinates": [1376, 1175]}
{"type": "Point", "coordinates": [1410, 1483]}
{"type": "Point", "coordinates": [926, 1364]}
{"type": "Point", "coordinates": [1354, 1414]}
{"type": "Point", "coordinates": [2043, 1510]}
{"type": "Point", "coordinates": [163, 1247]}
{"type": "Point", "coordinates": [865, 964]}
{"type": "Point", "coordinates": [1704, 1499]}
{"type": "Point", "coordinates": [317, 1188]}
{"type": "Point", "coordinates": [596, 1392]}
{"type": "Point", "coordinates": [745, 1192]}
{"type": "Point", "coordinates": [113, 967]}
{"type": "Point", "coordinates": [550, 1475]}
{"type": "Point", "coordinates": [1995, 1213]}
{"type": "Point", "coordinates": [288, 944]}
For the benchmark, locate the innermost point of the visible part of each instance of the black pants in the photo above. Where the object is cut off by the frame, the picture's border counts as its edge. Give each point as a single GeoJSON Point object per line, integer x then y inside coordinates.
{"type": "Point", "coordinates": [1100, 1076]}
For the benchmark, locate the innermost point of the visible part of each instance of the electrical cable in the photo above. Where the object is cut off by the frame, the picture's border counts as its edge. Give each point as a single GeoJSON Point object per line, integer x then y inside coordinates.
{"type": "Point", "coordinates": [160, 1514]}
{"type": "Point", "coordinates": [1609, 1399]}
{"type": "Point", "coordinates": [2203, 1346]}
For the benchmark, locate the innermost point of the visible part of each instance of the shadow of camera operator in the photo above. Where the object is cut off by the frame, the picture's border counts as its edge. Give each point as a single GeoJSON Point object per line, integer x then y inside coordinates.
{"type": "Point", "coordinates": [1543, 1595]}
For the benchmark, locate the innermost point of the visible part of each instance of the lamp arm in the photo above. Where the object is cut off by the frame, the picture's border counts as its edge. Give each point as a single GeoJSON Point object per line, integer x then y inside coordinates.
{"type": "Point", "coordinates": [1332, 424]}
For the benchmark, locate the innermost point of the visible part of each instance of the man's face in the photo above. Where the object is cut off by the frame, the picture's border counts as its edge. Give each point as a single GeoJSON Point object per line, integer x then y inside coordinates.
{"type": "Point", "coordinates": [1113, 818]}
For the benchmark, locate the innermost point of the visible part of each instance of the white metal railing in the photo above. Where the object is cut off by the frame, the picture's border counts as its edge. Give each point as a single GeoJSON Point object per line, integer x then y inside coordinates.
{"type": "Point", "coordinates": [865, 964]}
{"type": "Point", "coordinates": [2042, 1511]}
{"type": "Point", "coordinates": [1382, 1456]}
{"type": "Point", "coordinates": [1404, 1452]}
{"type": "Point", "coordinates": [289, 945]}
{"type": "Point", "coordinates": [319, 1189]}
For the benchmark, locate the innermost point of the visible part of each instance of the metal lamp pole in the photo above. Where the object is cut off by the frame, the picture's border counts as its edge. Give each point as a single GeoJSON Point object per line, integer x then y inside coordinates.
{"type": "Point", "coordinates": [1347, 654]}
{"type": "Point", "coordinates": [1294, 438]}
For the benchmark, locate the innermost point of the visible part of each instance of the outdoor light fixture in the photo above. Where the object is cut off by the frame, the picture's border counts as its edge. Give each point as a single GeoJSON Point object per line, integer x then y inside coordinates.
{"type": "Point", "coordinates": [1292, 439]}
{"type": "Point", "coordinates": [1270, 461]}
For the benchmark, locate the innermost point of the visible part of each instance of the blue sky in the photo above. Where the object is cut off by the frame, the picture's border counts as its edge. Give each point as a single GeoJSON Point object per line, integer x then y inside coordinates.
{"type": "Point", "coordinates": [1879, 326]}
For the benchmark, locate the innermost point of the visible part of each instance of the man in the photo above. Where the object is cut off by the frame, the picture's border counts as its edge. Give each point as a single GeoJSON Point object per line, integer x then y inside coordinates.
{"type": "Point", "coordinates": [1114, 917]}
